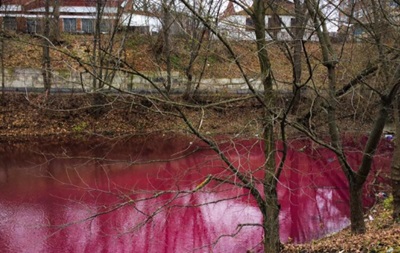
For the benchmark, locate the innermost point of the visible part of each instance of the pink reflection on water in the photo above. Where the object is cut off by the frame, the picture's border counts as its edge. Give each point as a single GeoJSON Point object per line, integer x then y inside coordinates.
{"type": "Point", "coordinates": [110, 198]}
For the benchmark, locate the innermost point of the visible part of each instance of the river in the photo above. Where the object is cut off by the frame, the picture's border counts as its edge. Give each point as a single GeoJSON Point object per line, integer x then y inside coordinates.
{"type": "Point", "coordinates": [151, 194]}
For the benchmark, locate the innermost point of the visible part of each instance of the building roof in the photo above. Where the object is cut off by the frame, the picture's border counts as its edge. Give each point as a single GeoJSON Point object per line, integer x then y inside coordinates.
{"type": "Point", "coordinates": [76, 9]}
{"type": "Point", "coordinates": [229, 11]}
{"type": "Point", "coordinates": [71, 6]}
{"type": "Point", "coordinates": [12, 5]}
{"type": "Point", "coordinates": [280, 7]}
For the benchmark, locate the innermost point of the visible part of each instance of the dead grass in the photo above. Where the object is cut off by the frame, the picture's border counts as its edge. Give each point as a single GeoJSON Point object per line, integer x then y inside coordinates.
{"type": "Point", "coordinates": [382, 236]}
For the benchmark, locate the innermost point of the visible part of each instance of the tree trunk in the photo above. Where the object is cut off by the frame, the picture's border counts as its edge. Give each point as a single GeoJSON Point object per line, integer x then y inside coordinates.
{"type": "Point", "coordinates": [167, 22]}
{"type": "Point", "coordinates": [55, 24]}
{"type": "Point", "coordinates": [46, 64]}
{"type": "Point", "coordinates": [296, 74]}
{"type": "Point", "coordinates": [355, 179]}
{"type": "Point", "coordinates": [46, 71]}
{"type": "Point", "coordinates": [356, 209]}
{"type": "Point", "coordinates": [3, 86]}
{"type": "Point", "coordinates": [395, 170]}
{"type": "Point", "coordinates": [187, 95]}
{"type": "Point", "coordinates": [97, 72]}
{"type": "Point", "coordinates": [298, 33]}
{"type": "Point", "coordinates": [271, 221]}
{"type": "Point", "coordinates": [396, 185]}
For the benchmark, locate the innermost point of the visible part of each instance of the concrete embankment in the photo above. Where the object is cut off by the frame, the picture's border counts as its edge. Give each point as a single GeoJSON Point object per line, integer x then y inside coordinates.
{"type": "Point", "coordinates": [21, 79]}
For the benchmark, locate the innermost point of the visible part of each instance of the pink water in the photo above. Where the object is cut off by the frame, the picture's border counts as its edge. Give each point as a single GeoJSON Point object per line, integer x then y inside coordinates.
{"type": "Point", "coordinates": [138, 196]}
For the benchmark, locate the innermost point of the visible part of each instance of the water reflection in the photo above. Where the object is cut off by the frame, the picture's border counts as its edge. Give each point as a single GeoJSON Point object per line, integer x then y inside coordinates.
{"type": "Point", "coordinates": [139, 196]}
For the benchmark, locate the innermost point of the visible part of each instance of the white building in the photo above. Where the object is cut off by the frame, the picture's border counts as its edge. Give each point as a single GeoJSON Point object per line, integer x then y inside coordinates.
{"type": "Point", "coordinates": [238, 25]}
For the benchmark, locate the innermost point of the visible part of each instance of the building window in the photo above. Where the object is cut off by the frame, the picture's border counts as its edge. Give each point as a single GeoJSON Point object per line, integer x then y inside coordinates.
{"type": "Point", "coordinates": [293, 24]}
{"type": "Point", "coordinates": [32, 26]}
{"type": "Point", "coordinates": [105, 26]}
{"type": "Point", "coordinates": [274, 22]}
{"type": "Point", "coordinates": [70, 25]}
{"type": "Point", "coordinates": [87, 25]}
{"type": "Point", "coordinates": [10, 23]}
{"type": "Point", "coordinates": [358, 31]}
{"type": "Point", "coordinates": [274, 25]}
{"type": "Point", "coordinates": [249, 24]}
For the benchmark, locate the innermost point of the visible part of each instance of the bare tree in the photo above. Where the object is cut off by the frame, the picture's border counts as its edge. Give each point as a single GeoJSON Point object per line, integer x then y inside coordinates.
{"type": "Point", "coordinates": [298, 32]}
{"type": "Point", "coordinates": [268, 201]}
{"type": "Point", "coordinates": [294, 46]}
{"type": "Point", "coordinates": [2, 61]}
{"type": "Point", "coordinates": [55, 22]}
{"type": "Point", "coordinates": [2, 48]}
{"type": "Point", "coordinates": [375, 22]}
{"type": "Point", "coordinates": [356, 177]}
{"type": "Point", "coordinates": [196, 37]}
{"type": "Point", "coordinates": [46, 59]}
{"type": "Point", "coordinates": [163, 48]}
{"type": "Point", "coordinates": [108, 45]}
{"type": "Point", "coordinates": [271, 205]}
{"type": "Point", "coordinates": [395, 170]}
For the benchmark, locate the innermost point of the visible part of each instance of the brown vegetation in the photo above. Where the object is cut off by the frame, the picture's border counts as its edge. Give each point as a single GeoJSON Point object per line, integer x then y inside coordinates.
{"type": "Point", "coordinates": [383, 235]}
{"type": "Point", "coordinates": [23, 51]}
{"type": "Point", "coordinates": [25, 116]}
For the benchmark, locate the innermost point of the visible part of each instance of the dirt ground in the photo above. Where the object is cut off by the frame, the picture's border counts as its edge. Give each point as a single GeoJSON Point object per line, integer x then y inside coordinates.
{"type": "Point", "coordinates": [27, 116]}
{"type": "Point", "coordinates": [37, 115]}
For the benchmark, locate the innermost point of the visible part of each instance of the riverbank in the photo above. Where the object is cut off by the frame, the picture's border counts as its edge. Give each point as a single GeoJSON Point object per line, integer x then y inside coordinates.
{"type": "Point", "coordinates": [37, 115]}
{"type": "Point", "coordinates": [24, 116]}
{"type": "Point", "coordinates": [382, 236]}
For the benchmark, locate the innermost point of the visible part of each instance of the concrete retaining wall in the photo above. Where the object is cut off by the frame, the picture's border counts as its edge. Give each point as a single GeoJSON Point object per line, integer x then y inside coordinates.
{"type": "Point", "coordinates": [25, 78]}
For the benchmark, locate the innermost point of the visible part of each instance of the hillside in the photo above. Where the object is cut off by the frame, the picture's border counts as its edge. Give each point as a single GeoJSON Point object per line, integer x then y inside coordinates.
{"type": "Point", "coordinates": [145, 54]}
